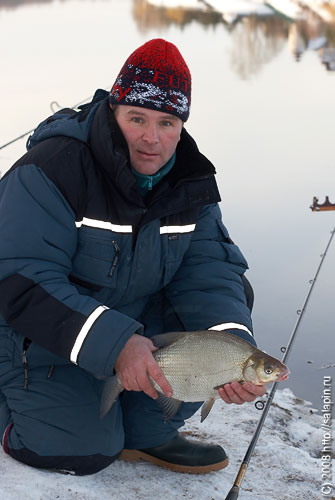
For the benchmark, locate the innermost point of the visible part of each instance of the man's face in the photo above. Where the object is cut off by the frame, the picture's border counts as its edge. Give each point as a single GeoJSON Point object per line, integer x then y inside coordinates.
{"type": "Point", "coordinates": [152, 136]}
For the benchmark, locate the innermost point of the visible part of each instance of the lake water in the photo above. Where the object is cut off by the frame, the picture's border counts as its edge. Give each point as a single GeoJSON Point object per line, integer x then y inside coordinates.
{"type": "Point", "coordinates": [263, 110]}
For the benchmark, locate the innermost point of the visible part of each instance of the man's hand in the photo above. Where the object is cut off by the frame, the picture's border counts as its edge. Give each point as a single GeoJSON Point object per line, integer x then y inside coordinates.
{"type": "Point", "coordinates": [134, 365]}
{"type": "Point", "coordinates": [241, 393]}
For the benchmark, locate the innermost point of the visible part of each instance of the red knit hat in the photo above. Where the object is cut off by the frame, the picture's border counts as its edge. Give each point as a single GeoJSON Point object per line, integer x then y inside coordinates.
{"type": "Point", "coordinates": [155, 76]}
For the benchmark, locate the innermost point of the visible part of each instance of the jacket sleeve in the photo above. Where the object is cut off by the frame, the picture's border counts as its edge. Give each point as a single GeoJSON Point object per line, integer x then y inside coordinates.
{"type": "Point", "coordinates": [38, 241]}
{"type": "Point", "coordinates": [207, 290]}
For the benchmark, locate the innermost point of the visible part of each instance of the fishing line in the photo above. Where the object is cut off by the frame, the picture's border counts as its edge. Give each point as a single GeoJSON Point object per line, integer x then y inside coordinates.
{"type": "Point", "coordinates": [52, 104]}
{"type": "Point", "coordinates": [234, 492]}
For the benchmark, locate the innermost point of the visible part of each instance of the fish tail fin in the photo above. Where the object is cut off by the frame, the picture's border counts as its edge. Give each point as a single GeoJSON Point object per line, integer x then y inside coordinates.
{"type": "Point", "coordinates": [169, 406]}
{"type": "Point", "coordinates": [110, 392]}
{"type": "Point", "coordinates": [206, 408]}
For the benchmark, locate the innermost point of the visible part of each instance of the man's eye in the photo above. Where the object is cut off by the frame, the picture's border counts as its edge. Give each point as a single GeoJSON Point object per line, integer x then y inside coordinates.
{"type": "Point", "coordinates": [166, 123]}
{"type": "Point", "coordinates": [136, 119]}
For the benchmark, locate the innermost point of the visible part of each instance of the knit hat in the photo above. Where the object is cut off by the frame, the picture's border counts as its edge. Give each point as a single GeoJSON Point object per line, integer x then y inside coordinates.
{"type": "Point", "coordinates": [155, 76]}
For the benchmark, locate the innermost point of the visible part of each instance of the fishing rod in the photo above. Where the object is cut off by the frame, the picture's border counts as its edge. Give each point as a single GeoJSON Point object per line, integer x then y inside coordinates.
{"type": "Point", "coordinates": [234, 492]}
{"type": "Point", "coordinates": [32, 130]}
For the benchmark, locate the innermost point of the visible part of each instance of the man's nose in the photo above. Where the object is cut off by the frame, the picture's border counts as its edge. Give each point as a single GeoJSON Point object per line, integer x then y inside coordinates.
{"type": "Point", "coordinates": [151, 134]}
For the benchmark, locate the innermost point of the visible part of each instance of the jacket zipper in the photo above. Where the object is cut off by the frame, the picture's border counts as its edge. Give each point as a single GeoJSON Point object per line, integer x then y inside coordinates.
{"type": "Point", "coordinates": [116, 258]}
{"type": "Point", "coordinates": [26, 344]}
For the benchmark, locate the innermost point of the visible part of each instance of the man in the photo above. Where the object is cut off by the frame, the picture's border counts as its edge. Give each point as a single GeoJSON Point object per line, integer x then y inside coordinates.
{"type": "Point", "coordinates": [111, 233]}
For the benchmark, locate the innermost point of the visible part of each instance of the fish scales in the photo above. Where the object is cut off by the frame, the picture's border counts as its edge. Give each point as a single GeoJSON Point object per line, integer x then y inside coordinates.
{"type": "Point", "coordinates": [200, 361]}
{"type": "Point", "coordinates": [197, 363]}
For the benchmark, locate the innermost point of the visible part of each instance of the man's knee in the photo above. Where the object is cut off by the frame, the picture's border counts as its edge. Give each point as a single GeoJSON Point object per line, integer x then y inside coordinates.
{"type": "Point", "coordinates": [75, 465]}
{"type": "Point", "coordinates": [77, 460]}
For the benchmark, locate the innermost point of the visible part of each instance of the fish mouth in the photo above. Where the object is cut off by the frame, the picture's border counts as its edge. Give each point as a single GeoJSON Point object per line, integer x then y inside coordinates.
{"type": "Point", "coordinates": [283, 375]}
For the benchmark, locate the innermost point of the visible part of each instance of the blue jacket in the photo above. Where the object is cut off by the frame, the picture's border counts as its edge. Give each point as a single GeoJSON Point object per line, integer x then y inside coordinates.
{"type": "Point", "coordinates": [85, 261]}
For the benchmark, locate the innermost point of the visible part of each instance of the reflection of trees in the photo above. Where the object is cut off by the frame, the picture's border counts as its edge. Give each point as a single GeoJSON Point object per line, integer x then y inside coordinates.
{"type": "Point", "coordinates": [329, 33]}
{"type": "Point", "coordinates": [256, 40]}
{"type": "Point", "coordinates": [297, 41]}
{"type": "Point", "coordinates": [327, 54]}
{"type": "Point", "coordinates": [312, 33]}
{"type": "Point", "coordinates": [149, 16]}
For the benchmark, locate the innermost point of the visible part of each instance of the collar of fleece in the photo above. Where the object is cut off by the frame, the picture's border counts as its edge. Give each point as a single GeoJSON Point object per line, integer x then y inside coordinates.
{"type": "Point", "coordinates": [145, 183]}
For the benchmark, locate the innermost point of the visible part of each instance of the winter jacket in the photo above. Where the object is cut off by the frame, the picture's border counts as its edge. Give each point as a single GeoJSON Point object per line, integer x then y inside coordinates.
{"type": "Point", "coordinates": [85, 261]}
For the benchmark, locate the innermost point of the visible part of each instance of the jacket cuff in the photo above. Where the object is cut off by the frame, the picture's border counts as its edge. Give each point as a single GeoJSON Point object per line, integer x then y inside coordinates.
{"type": "Point", "coordinates": [236, 329]}
{"type": "Point", "coordinates": [104, 340]}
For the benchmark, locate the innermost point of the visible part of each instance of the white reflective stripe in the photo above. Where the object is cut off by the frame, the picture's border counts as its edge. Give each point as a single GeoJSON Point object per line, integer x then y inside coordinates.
{"type": "Point", "coordinates": [229, 326]}
{"type": "Point", "coordinates": [84, 332]}
{"type": "Point", "coordinates": [177, 229]}
{"type": "Point", "coordinates": [100, 224]}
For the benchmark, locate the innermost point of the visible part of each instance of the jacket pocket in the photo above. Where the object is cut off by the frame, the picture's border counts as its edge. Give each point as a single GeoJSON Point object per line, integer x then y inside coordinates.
{"type": "Point", "coordinates": [95, 263]}
{"type": "Point", "coordinates": [176, 246]}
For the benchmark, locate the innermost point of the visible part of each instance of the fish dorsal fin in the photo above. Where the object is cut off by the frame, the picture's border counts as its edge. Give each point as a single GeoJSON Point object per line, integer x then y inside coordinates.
{"type": "Point", "coordinates": [166, 339]}
{"type": "Point", "coordinates": [169, 406]}
{"type": "Point", "coordinates": [206, 408]}
{"type": "Point", "coordinates": [217, 387]}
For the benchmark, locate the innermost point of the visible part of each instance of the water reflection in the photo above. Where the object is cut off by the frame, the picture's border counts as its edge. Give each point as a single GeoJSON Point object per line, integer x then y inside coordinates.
{"type": "Point", "coordinates": [148, 16]}
{"type": "Point", "coordinates": [258, 33]}
{"type": "Point", "coordinates": [257, 39]}
{"type": "Point", "coordinates": [13, 4]}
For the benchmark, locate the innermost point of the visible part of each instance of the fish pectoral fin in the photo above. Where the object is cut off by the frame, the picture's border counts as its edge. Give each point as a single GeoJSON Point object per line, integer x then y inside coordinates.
{"type": "Point", "coordinates": [217, 387]}
{"type": "Point", "coordinates": [169, 406]}
{"type": "Point", "coordinates": [206, 408]}
{"type": "Point", "coordinates": [166, 339]}
{"type": "Point", "coordinates": [110, 392]}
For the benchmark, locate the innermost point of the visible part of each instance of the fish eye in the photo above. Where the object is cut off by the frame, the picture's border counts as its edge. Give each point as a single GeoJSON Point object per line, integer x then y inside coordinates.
{"type": "Point", "coordinates": [268, 371]}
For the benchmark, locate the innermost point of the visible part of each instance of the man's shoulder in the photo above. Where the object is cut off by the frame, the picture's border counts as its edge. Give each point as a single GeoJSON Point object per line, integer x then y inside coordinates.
{"type": "Point", "coordinates": [66, 162]}
{"type": "Point", "coordinates": [57, 150]}
{"type": "Point", "coordinates": [60, 158]}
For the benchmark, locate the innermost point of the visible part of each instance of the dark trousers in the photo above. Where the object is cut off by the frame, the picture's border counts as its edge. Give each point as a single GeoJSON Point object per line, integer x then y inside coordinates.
{"type": "Point", "coordinates": [49, 409]}
{"type": "Point", "coordinates": [51, 419]}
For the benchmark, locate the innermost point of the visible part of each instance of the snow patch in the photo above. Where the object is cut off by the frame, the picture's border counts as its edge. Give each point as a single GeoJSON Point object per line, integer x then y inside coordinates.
{"type": "Point", "coordinates": [286, 464]}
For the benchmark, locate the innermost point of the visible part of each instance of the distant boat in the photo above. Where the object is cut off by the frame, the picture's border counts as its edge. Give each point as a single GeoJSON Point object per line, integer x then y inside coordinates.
{"type": "Point", "coordinates": [316, 207]}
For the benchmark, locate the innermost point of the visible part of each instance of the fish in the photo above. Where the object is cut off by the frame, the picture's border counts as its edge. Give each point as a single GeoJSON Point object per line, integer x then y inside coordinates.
{"type": "Point", "coordinates": [197, 364]}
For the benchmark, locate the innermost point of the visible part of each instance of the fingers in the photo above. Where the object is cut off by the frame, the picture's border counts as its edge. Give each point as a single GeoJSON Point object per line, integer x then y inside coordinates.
{"type": "Point", "coordinates": [158, 376]}
{"type": "Point", "coordinates": [229, 395]}
{"type": "Point", "coordinates": [257, 390]}
{"type": "Point", "coordinates": [136, 364]}
{"type": "Point", "coordinates": [140, 381]}
{"type": "Point", "coordinates": [239, 394]}
{"type": "Point", "coordinates": [146, 386]}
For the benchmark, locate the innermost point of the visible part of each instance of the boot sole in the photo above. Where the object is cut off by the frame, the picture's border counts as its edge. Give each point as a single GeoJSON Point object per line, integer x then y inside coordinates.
{"type": "Point", "coordinates": [136, 456]}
